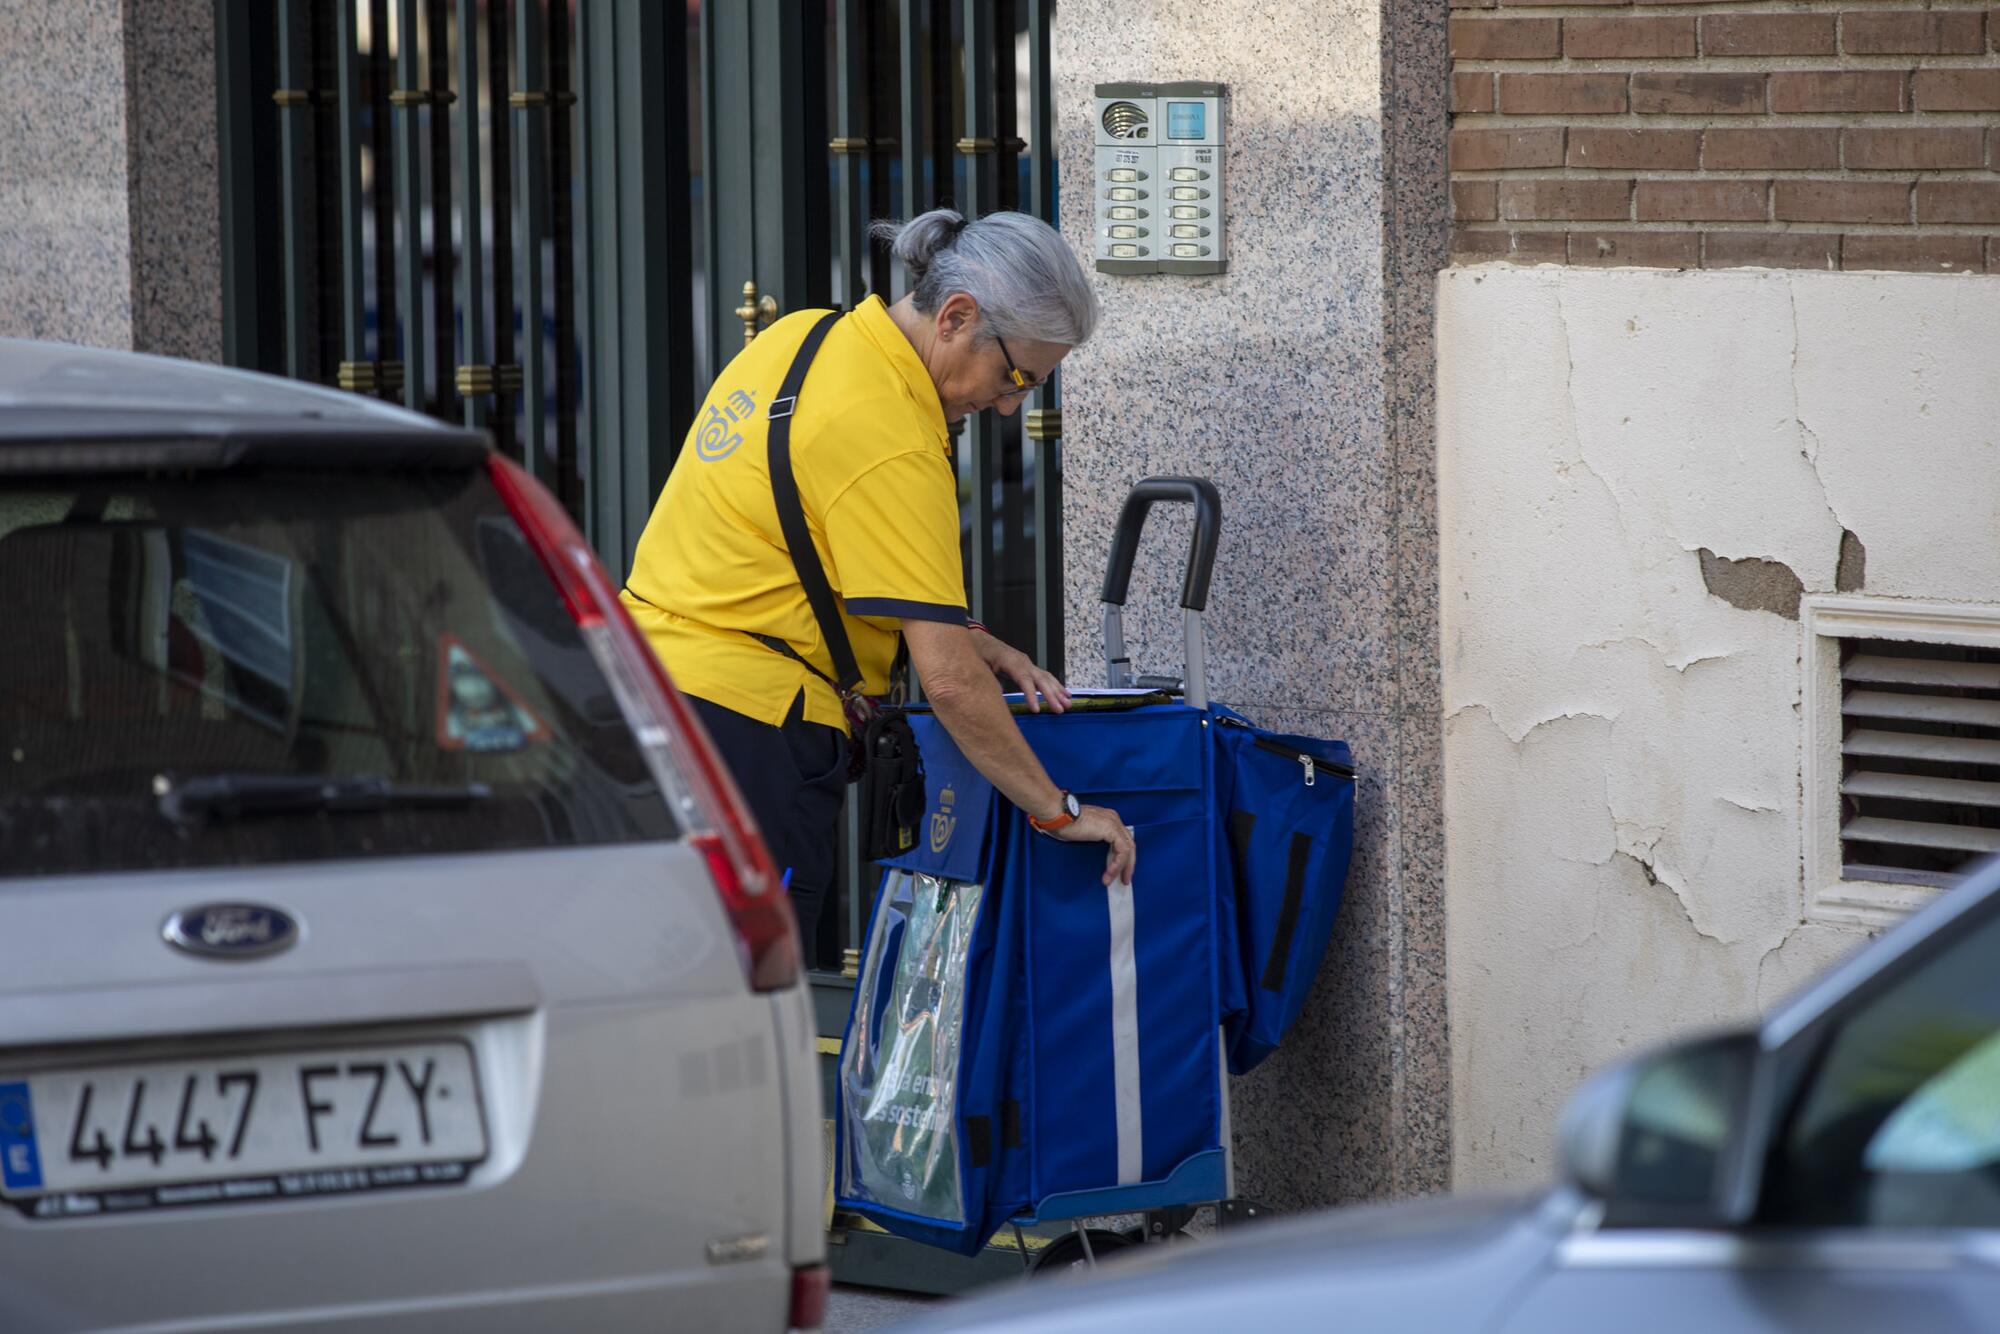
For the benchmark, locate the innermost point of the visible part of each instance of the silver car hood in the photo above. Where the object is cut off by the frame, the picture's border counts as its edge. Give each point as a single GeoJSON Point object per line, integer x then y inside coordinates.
{"type": "Point", "coordinates": [1352, 1267]}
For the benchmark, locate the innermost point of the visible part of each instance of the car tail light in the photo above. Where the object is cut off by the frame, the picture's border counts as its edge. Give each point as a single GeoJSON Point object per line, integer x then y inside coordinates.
{"type": "Point", "coordinates": [809, 1289]}
{"type": "Point", "coordinates": [677, 749]}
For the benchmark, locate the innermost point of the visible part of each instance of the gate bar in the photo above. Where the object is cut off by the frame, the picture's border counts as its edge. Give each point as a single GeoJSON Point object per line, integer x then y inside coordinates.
{"type": "Point", "coordinates": [910, 49]}
{"type": "Point", "coordinates": [356, 373]}
{"type": "Point", "coordinates": [562, 232]}
{"type": "Point", "coordinates": [381, 149]}
{"type": "Point", "coordinates": [408, 100]}
{"type": "Point", "coordinates": [252, 332]}
{"type": "Point", "coordinates": [883, 90]}
{"type": "Point", "coordinates": [1006, 132]}
{"type": "Point", "coordinates": [530, 144]}
{"type": "Point", "coordinates": [944, 157]}
{"type": "Point", "coordinates": [850, 149]}
{"type": "Point", "coordinates": [506, 371]}
{"type": "Point", "coordinates": [1041, 113]}
{"type": "Point", "coordinates": [1043, 420]}
{"type": "Point", "coordinates": [294, 97]}
{"type": "Point", "coordinates": [443, 343]}
{"type": "Point", "coordinates": [473, 385]}
{"type": "Point", "coordinates": [982, 438]}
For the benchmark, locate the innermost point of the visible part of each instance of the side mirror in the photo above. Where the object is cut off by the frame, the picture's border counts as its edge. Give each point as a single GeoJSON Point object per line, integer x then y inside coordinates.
{"type": "Point", "coordinates": [1659, 1138]}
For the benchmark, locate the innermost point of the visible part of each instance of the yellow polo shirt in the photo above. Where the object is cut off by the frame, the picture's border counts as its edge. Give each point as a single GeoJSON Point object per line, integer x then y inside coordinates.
{"type": "Point", "coordinates": [870, 453]}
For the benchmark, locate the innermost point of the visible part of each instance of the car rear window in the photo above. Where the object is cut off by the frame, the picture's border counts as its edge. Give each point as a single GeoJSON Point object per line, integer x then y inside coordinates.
{"type": "Point", "coordinates": [391, 634]}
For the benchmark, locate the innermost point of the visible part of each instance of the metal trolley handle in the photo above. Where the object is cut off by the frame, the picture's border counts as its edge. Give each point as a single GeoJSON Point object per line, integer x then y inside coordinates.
{"type": "Point", "coordinates": [1200, 493]}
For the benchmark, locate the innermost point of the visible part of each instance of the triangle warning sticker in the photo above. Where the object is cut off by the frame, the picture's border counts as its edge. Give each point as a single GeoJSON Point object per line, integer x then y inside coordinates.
{"type": "Point", "coordinates": [476, 709]}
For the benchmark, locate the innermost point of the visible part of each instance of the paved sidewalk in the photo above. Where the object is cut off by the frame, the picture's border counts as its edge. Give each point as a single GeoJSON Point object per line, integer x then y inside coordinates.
{"type": "Point", "coordinates": [852, 1308]}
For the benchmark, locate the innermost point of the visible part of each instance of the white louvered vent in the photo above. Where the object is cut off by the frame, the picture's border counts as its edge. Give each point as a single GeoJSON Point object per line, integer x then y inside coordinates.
{"type": "Point", "coordinates": [1920, 759]}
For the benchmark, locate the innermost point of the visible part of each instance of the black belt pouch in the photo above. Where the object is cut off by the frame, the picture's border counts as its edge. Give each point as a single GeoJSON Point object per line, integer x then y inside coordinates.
{"type": "Point", "coordinates": [890, 793]}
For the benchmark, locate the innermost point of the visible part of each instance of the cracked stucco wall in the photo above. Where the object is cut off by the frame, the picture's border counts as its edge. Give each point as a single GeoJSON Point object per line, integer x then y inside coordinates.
{"type": "Point", "coordinates": [1638, 470]}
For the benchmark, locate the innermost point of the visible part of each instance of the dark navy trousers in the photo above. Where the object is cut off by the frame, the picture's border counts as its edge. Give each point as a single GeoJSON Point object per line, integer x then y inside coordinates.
{"type": "Point", "coordinates": [794, 777]}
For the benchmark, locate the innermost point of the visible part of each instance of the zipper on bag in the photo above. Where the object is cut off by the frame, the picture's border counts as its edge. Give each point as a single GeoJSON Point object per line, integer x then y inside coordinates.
{"type": "Point", "coordinates": [1309, 764]}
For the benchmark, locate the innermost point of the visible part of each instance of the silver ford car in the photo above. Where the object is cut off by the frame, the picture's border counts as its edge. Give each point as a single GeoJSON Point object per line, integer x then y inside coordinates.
{"type": "Point", "coordinates": [382, 946]}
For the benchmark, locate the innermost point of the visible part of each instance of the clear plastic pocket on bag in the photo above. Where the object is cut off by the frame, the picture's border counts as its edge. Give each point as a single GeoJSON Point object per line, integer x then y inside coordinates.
{"type": "Point", "coordinates": [899, 1067]}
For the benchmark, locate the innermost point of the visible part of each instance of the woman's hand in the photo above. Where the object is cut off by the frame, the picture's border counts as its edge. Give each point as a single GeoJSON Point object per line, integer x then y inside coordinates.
{"type": "Point", "coordinates": [1096, 824]}
{"type": "Point", "coordinates": [1034, 683]}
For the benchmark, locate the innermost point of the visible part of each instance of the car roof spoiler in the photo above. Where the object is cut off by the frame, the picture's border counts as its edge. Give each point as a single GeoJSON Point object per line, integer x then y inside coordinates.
{"type": "Point", "coordinates": [57, 441]}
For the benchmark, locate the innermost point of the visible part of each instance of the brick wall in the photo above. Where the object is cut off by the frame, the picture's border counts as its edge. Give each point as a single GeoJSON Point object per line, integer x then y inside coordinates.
{"type": "Point", "coordinates": [1686, 135]}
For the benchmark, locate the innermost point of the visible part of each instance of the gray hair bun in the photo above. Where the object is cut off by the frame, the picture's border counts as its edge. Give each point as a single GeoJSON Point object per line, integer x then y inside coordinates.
{"type": "Point", "coordinates": [917, 242]}
{"type": "Point", "coordinates": [1026, 280]}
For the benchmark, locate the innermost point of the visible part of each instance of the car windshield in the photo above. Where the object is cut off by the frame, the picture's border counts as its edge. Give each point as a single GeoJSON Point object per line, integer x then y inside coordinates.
{"type": "Point", "coordinates": [185, 651]}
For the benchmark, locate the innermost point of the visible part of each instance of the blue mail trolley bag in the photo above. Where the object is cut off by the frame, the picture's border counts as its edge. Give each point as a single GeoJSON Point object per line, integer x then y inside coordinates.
{"type": "Point", "coordinates": [1024, 1038]}
{"type": "Point", "coordinates": [924, 1102]}
{"type": "Point", "coordinates": [1027, 1043]}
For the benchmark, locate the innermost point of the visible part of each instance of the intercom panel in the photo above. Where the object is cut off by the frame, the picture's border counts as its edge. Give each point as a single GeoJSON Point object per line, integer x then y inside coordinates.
{"type": "Point", "coordinates": [1157, 178]}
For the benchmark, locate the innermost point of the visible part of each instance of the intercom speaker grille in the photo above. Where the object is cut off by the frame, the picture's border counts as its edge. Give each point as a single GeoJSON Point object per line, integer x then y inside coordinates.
{"type": "Point", "coordinates": [1125, 120]}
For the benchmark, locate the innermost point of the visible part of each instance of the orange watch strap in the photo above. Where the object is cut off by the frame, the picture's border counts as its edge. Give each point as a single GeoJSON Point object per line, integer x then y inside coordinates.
{"type": "Point", "coordinates": [1062, 819]}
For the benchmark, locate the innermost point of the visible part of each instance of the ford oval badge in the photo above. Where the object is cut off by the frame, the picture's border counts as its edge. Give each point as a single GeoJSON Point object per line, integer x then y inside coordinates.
{"type": "Point", "coordinates": [231, 931]}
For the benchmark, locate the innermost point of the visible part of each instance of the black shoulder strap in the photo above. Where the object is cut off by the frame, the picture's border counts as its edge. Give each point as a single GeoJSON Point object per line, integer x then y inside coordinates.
{"type": "Point", "coordinates": [792, 517]}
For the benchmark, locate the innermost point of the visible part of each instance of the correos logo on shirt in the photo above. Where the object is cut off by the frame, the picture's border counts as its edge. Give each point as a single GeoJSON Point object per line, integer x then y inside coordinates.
{"type": "Point", "coordinates": [718, 437]}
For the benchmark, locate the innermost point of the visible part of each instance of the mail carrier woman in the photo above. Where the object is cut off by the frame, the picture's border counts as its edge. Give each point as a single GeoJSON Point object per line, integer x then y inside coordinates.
{"type": "Point", "coordinates": [832, 429]}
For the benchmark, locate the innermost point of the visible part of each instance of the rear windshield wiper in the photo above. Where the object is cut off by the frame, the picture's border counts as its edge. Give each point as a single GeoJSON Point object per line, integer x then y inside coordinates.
{"type": "Point", "coordinates": [217, 797]}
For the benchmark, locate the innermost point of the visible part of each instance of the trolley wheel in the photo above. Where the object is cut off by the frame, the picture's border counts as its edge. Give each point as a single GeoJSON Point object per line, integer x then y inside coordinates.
{"type": "Point", "coordinates": [1066, 1253]}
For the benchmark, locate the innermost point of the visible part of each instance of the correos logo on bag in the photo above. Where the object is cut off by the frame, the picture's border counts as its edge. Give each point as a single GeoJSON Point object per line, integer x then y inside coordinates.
{"type": "Point", "coordinates": [943, 822]}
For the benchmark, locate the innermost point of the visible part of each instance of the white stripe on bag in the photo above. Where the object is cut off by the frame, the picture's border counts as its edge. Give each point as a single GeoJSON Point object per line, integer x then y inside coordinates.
{"type": "Point", "coordinates": [1125, 1036]}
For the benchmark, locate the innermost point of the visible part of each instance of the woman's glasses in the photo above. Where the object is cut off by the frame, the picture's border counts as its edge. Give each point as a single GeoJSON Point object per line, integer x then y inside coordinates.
{"type": "Point", "coordinates": [1022, 384]}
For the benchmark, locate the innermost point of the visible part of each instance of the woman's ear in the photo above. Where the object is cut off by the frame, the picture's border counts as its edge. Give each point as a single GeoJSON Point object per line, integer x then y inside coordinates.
{"type": "Point", "coordinates": [957, 316]}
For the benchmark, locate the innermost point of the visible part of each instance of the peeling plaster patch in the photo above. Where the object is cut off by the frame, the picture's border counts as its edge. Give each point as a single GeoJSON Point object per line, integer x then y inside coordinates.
{"type": "Point", "coordinates": [1753, 584]}
{"type": "Point", "coordinates": [1639, 844]}
{"type": "Point", "coordinates": [1753, 807]}
{"type": "Point", "coordinates": [1681, 664]}
{"type": "Point", "coordinates": [1852, 571]}
{"type": "Point", "coordinates": [1656, 873]}
{"type": "Point", "coordinates": [1688, 660]}
{"type": "Point", "coordinates": [1645, 867]}
{"type": "Point", "coordinates": [1518, 738]}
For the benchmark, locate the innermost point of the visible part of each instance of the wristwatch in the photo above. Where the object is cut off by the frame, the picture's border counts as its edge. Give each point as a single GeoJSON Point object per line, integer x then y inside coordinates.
{"type": "Point", "coordinates": [1072, 809]}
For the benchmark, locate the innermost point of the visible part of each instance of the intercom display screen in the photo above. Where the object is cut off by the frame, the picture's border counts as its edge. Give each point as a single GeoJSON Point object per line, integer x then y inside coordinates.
{"type": "Point", "coordinates": [1187, 120]}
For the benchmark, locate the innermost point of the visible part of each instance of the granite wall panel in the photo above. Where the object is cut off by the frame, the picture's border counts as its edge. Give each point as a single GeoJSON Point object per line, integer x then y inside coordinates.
{"type": "Point", "coordinates": [109, 221]}
{"type": "Point", "coordinates": [65, 239]}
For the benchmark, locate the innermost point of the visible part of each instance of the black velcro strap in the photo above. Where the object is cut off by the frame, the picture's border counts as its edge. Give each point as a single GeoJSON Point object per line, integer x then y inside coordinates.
{"type": "Point", "coordinates": [1010, 1123]}
{"type": "Point", "coordinates": [979, 1140]}
{"type": "Point", "coordinates": [1242, 825]}
{"type": "Point", "coordinates": [792, 513]}
{"type": "Point", "coordinates": [1288, 914]}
